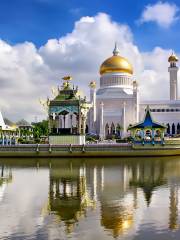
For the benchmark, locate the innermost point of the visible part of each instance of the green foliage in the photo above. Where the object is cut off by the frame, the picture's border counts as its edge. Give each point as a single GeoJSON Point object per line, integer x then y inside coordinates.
{"type": "Point", "coordinates": [40, 129]}
{"type": "Point", "coordinates": [91, 139]}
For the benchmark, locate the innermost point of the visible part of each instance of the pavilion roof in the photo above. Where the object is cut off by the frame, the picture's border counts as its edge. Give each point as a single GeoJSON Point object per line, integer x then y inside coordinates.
{"type": "Point", "coordinates": [147, 122]}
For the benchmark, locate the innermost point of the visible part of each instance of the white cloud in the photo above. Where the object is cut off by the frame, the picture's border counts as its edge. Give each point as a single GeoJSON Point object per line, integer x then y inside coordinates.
{"type": "Point", "coordinates": [27, 73]}
{"type": "Point", "coordinates": [162, 13]}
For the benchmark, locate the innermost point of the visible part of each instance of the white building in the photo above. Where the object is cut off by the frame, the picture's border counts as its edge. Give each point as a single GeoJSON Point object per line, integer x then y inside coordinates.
{"type": "Point", "coordinates": [116, 103]}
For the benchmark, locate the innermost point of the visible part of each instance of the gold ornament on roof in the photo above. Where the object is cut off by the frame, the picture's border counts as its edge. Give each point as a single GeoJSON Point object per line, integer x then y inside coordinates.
{"type": "Point", "coordinates": [67, 78]}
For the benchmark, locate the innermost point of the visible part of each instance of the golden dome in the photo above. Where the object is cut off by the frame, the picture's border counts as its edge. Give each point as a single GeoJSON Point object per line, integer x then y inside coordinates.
{"type": "Point", "coordinates": [173, 58]}
{"type": "Point", "coordinates": [116, 63]}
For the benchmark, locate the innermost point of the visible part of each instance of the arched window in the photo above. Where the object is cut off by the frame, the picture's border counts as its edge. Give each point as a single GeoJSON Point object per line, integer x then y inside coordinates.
{"type": "Point", "coordinates": [157, 133]}
{"type": "Point", "coordinates": [107, 130]}
{"type": "Point", "coordinates": [148, 135]}
{"type": "Point", "coordinates": [118, 129]}
{"type": "Point", "coordinates": [112, 128]}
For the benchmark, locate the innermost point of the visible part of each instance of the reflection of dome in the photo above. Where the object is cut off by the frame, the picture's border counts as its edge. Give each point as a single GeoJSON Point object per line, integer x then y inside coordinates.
{"type": "Point", "coordinates": [117, 219]}
{"type": "Point", "coordinates": [116, 63]}
{"type": "Point", "coordinates": [173, 58]}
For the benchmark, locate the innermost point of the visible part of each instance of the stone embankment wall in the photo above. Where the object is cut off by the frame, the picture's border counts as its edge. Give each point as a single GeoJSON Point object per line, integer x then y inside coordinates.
{"type": "Point", "coordinates": [91, 150]}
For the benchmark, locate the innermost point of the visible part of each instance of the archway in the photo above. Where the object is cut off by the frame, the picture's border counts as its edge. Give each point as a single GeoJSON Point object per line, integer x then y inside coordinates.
{"type": "Point", "coordinates": [87, 129]}
{"type": "Point", "coordinates": [118, 130]}
{"type": "Point", "coordinates": [148, 135]}
{"type": "Point", "coordinates": [112, 128]}
{"type": "Point", "coordinates": [107, 130]}
{"type": "Point", "coordinates": [173, 128]}
{"type": "Point", "coordinates": [178, 128]}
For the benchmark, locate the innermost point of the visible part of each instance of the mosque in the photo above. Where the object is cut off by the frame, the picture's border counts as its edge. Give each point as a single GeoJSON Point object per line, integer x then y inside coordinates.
{"type": "Point", "coordinates": [116, 104]}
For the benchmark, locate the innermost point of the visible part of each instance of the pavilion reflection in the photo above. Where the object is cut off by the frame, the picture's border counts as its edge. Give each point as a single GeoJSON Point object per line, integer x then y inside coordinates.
{"type": "Point", "coordinates": [68, 195]}
{"type": "Point", "coordinates": [148, 176]}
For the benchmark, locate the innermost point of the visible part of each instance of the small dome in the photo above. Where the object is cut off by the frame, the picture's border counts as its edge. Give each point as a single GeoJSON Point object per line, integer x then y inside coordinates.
{"type": "Point", "coordinates": [116, 63]}
{"type": "Point", "coordinates": [92, 84]}
{"type": "Point", "coordinates": [173, 58]}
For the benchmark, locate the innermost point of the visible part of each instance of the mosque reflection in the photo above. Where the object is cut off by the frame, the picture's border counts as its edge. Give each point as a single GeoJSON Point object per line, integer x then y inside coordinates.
{"type": "Point", "coordinates": [118, 192]}
{"type": "Point", "coordinates": [74, 190]}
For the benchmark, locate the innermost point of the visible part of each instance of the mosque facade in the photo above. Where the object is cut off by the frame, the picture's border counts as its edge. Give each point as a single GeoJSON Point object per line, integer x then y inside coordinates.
{"type": "Point", "coordinates": [116, 104]}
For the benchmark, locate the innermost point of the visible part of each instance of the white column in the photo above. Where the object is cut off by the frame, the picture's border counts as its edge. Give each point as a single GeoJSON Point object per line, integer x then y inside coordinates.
{"type": "Point", "coordinates": [124, 119]}
{"type": "Point", "coordinates": [173, 69]}
{"type": "Point", "coordinates": [101, 132]}
{"type": "Point", "coordinates": [92, 112]}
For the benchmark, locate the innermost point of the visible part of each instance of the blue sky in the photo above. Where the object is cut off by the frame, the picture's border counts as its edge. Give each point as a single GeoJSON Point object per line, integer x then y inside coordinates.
{"type": "Point", "coordinates": [43, 40]}
{"type": "Point", "coordinates": [39, 20]}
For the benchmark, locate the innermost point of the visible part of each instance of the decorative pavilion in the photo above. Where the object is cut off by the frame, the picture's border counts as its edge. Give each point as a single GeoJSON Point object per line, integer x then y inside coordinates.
{"type": "Point", "coordinates": [147, 131]}
{"type": "Point", "coordinates": [67, 115]}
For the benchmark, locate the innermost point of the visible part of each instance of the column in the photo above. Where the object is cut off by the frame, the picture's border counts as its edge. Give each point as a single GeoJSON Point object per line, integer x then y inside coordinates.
{"type": "Point", "coordinates": [83, 125]}
{"type": "Point", "coordinates": [71, 116]}
{"type": "Point", "coordinates": [124, 119]}
{"type": "Point", "coordinates": [173, 69]}
{"type": "Point", "coordinates": [101, 132]}
{"type": "Point", "coordinates": [79, 123]}
{"type": "Point", "coordinates": [92, 112]}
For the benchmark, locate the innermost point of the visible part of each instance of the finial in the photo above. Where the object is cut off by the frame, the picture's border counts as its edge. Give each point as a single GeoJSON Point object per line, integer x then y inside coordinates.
{"type": "Point", "coordinates": [116, 50]}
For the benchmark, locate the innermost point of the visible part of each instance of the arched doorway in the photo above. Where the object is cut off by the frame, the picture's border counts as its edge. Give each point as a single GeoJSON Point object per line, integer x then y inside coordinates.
{"type": "Point", "coordinates": [87, 129]}
{"type": "Point", "coordinates": [113, 129]}
{"type": "Point", "coordinates": [173, 129]}
{"type": "Point", "coordinates": [178, 128]}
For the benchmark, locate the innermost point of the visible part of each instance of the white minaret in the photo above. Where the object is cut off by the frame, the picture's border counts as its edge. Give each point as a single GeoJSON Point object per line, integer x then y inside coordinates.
{"type": "Point", "coordinates": [173, 69]}
{"type": "Point", "coordinates": [92, 112]}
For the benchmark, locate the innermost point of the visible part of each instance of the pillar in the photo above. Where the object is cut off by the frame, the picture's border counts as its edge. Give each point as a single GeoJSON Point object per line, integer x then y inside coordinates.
{"type": "Point", "coordinates": [84, 125]}
{"type": "Point", "coordinates": [101, 132]}
{"type": "Point", "coordinates": [71, 116]}
{"type": "Point", "coordinates": [92, 112]}
{"type": "Point", "coordinates": [173, 70]}
{"type": "Point", "coordinates": [124, 119]}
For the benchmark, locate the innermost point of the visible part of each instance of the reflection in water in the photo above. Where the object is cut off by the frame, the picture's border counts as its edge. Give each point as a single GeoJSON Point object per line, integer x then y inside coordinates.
{"type": "Point", "coordinates": [148, 177]}
{"type": "Point", "coordinates": [68, 196]}
{"type": "Point", "coordinates": [5, 178]}
{"type": "Point", "coordinates": [109, 198]}
{"type": "Point", "coordinates": [173, 207]}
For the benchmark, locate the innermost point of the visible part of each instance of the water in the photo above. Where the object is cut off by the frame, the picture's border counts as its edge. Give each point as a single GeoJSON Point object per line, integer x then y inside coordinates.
{"type": "Point", "coordinates": [88, 199]}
